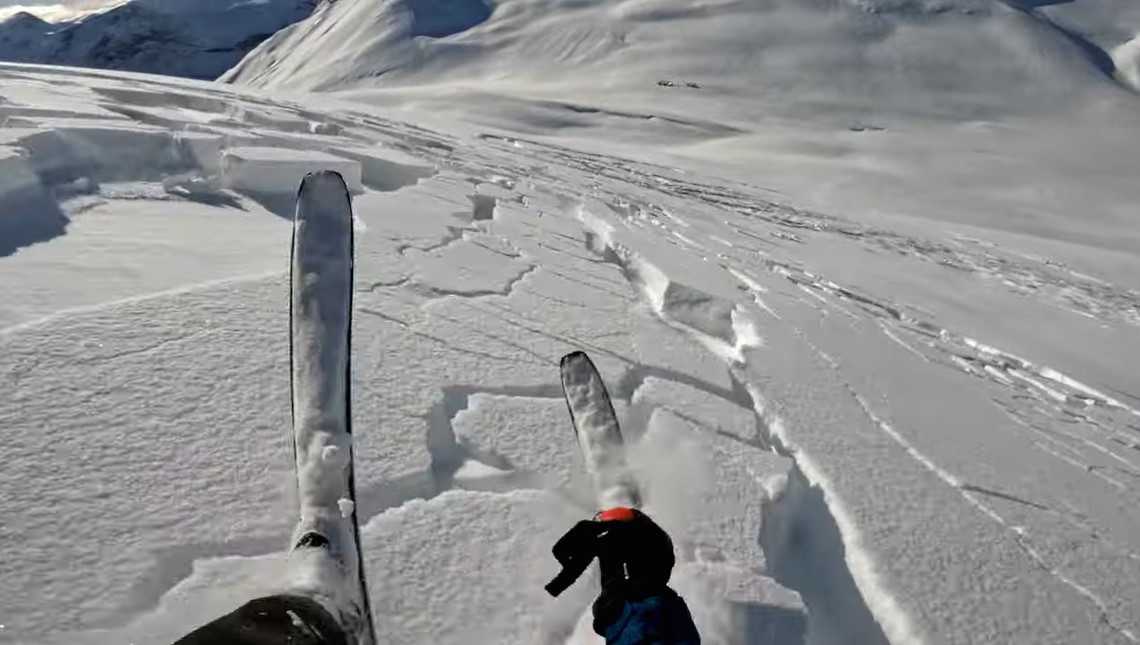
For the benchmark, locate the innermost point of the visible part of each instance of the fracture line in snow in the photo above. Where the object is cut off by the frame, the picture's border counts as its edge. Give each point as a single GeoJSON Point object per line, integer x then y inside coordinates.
{"type": "Point", "coordinates": [754, 289]}
{"type": "Point", "coordinates": [1021, 536]}
{"type": "Point", "coordinates": [902, 342]}
{"type": "Point", "coordinates": [1019, 533]}
{"type": "Point", "coordinates": [110, 304]}
{"type": "Point", "coordinates": [893, 620]}
{"type": "Point", "coordinates": [1051, 374]}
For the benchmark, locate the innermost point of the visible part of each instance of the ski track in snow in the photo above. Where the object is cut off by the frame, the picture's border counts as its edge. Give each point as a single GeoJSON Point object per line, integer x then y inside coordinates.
{"type": "Point", "coordinates": [737, 365]}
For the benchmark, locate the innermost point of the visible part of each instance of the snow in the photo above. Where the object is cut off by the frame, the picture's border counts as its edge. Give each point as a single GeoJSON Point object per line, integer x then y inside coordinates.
{"type": "Point", "coordinates": [1127, 60]}
{"type": "Point", "coordinates": [192, 39]}
{"type": "Point", "coordinates": [865, 299]}
{"type": "Point", "coordinates": [278, 171]}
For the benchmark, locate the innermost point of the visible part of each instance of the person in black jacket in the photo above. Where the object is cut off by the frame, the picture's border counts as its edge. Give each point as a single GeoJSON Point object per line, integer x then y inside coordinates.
{"type": "Point", "coordinates": [635, 559]}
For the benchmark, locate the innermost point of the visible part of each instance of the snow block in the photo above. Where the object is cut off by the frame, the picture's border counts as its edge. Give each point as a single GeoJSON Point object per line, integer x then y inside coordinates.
{"type": "Point", "coordinates": [65, 150]}
{"type": "Point", "coordinates": [203, 149]}
{"type": "Point", "coordinates": [735, 605]}
{"type": "Point", "coordinates": [28, 213]}
{"type": "Point", "coordinates": [1126, 57]}
{"type": "Point", "coordinates": [386, 169]}
{"type": "Point", "coordinates": [706, 489]}
{"type": "Point", "coordinates": [501, 430]}
{"type": "Point", "coordinates": [276, 171]}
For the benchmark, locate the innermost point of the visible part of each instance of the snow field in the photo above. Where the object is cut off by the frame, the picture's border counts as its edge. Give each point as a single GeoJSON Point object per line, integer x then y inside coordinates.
{"type": "Point", "coordinates": [875, 430]}
{"type": "Point", "coordinates": [461, 309]}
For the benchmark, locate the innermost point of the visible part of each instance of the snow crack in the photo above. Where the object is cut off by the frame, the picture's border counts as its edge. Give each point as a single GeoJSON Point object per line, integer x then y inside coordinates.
{"type": "Point", "coordinates": [431, 291]}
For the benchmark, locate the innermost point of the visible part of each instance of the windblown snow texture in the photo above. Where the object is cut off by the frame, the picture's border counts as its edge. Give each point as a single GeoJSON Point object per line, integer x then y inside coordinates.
{"type": "Point", "coordinates": [598, 432]}
{"type": "Point", "coordinates": [320, 322]}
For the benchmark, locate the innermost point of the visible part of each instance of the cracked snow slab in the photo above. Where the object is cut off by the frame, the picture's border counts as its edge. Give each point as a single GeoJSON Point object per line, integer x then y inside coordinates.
{"type": "Point", "coordinates": [735, 605]}
{"type": "Point", "coordinates": [819, 415]}
{"type": "Point", "coordinates": [481, 580]}
{"type": "Point", "coordinates": [387, 169]}
{"type": "Point", "coordinates": [468, 268]}
{"type": "Point", "coordinates": [212, 587]}
{"type": "Point", "coordinates": [905, 432]}
{"type": "Point", "coordinates": [158, 415]}
{"type": "Point", "coordinates": [708, 491]}
{"type": "Point", "coordinates": [278, 171]}
{"type": "Point", "coordinates": [709, 310]}
{"type": "Point", "coordinates": [200, 245]}
{"type": "Point", "coordinates": [727, 417]}
{"type": "Point", "coordinates": [528, 436]}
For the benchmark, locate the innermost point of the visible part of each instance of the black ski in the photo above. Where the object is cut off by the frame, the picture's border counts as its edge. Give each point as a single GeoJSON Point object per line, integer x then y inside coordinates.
{"type": "Point", "coordinates": [326, 561]}
{"type": "Point", "coordinates": [598, 431]}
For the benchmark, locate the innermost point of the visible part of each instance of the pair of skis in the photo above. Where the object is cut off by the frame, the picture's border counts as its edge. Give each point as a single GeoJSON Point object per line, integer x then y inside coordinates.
{"type": "Point", "coordinates": [328, 564]}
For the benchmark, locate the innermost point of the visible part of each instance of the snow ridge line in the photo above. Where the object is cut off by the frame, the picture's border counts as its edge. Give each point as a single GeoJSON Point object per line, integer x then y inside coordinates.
{"type": "Point", "coordinates": [129, 300]}
{"type": "Point", "coordinates": [893, 620]}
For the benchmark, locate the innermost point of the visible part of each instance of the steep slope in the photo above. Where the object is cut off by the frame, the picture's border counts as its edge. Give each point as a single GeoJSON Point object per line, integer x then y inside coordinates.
{"type": "Point", "coordinates": [858, 430]}
{"type": "Point", "coordinates": [199, 40]}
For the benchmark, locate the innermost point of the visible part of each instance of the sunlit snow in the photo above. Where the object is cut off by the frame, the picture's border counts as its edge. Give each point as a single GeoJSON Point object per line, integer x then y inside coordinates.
{"type": "Point", "coordinates": [872, 334]}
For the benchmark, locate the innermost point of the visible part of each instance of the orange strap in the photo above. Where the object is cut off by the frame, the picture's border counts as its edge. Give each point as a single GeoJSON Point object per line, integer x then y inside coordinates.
{"type": "Point", "coordinates": [619, 514]}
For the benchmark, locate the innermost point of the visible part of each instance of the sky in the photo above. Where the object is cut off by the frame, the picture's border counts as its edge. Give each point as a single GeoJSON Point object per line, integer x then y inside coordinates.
{"type": "Point", "coordinates": [53, 10]}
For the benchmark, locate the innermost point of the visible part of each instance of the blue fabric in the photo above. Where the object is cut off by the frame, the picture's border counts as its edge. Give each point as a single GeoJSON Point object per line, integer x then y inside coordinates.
{"type": "Point", "coordinates": [657, 620]}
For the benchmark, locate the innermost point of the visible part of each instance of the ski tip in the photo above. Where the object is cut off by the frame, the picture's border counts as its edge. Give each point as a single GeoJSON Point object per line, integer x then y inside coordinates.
{"type": "Point", "coordinates": [322, 180]}
{"type": "Point", "coordinates": [574, 357]}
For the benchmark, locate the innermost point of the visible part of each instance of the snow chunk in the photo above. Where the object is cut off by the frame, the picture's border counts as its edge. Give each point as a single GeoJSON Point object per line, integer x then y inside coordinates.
{"type": "Point", "coordinates": [1127, 60]}
{"type": "Point", "coordinates": [203, 148]}
{"type": "Point", "coordinates": [16, 175]}
{"type": "Point", "coordinates": [66, 149]}
{"type": "Point", "coordinates": [475, 475]}
{"type": "Point", "coordinates": [709, 312]}
{"type": "Point", "coordinates": [334, 457]}
{"type": "Point", "coordinates": [277, 171]}
{"type": "Point", "coordinates": [732, 604]}
{"type": "Point", "coordinates": [346, 506]}
{"type": "Point", "coordinates": [386, 169]}
{"type": "Point", "coordinates": [28, 213]}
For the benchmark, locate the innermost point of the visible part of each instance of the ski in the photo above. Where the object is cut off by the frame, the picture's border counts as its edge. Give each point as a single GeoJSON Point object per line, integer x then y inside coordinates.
{"type": "Point", "coordinates": [325, 561]}
{"type": "Point", "coordinates": [599, 433]}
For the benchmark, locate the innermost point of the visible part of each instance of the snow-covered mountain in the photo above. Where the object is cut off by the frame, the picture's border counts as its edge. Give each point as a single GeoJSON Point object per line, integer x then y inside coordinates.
{"type": "Point", "coordinates": [967, 58]}
{"type": "Point", "coordinates": [862, 276]}
{"type": "Point", "coordinates": [195, 40]}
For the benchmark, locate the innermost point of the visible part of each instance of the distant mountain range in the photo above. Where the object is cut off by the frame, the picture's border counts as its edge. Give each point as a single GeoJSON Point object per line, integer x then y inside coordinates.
{"type": "Point", "coordinates": [199, 39]}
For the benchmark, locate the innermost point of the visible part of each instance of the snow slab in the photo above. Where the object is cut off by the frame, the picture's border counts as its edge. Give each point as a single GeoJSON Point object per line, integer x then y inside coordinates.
{"type": "Point", "coordinates": [275, 171]}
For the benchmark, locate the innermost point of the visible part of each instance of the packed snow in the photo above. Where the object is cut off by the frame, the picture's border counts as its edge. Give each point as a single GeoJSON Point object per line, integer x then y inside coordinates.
{"type": "Point", "coordinates": [864, 293]}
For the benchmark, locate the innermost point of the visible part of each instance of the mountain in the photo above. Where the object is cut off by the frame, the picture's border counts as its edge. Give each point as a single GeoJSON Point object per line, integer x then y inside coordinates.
{"type": "Point", "coordinates": [931, 58]}
{"type": "Point", "coordinates": [195, 40]}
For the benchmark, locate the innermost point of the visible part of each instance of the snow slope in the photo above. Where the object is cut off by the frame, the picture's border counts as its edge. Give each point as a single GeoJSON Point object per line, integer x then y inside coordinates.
{"type": "Point", "coordinates": [195, 40]}
{"type": "Point", "coordinates": [866, 300]}
{"type": "Point", "coordinates": [967, 58]}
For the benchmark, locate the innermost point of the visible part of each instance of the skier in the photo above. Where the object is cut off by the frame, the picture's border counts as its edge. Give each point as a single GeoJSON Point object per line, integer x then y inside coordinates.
{"type": "Point", "coordinates": [635, 558]}
{"type": "Point", "coordinates": [635, 606]}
